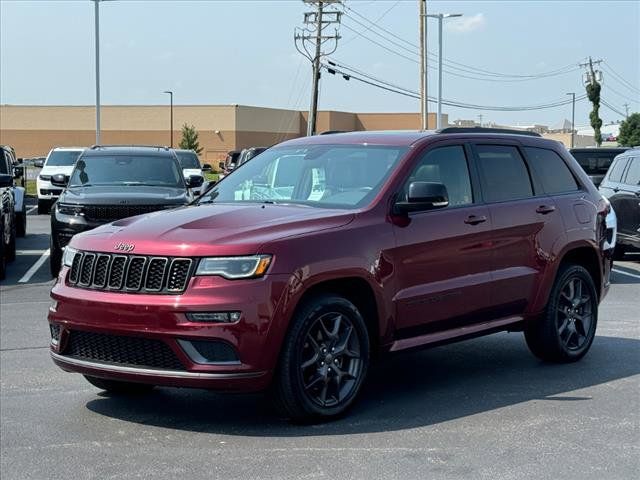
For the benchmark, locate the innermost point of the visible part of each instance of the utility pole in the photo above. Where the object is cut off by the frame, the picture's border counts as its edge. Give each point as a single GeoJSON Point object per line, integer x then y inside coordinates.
{"type": "Point", "coordinates": [171, 114]}
{"type": "Point", "coordinates": [592, 76]}
{"type": "Point", "coordinates": [573, 117]}
{"type": "Point", "coordinates": [592, 81]}
{"type": "Point", "coordinates": [424, 102]}
{"type": "Point", "coordinates": [626, 109]}
{"type": "Point", "coordinates": [441, 17]}
{"type": "Point", "coordinates": [480, 119]}
{"type": "Point", "coordinates": [97, 39]}
{"type": "Point", "coordinates": [309, 41]}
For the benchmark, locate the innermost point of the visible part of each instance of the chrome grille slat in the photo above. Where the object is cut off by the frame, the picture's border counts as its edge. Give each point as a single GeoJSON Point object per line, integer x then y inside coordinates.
{"type": "Point", "coordinates": [130, 273]}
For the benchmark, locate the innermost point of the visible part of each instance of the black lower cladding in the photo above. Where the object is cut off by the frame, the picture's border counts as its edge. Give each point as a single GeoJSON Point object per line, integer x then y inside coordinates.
{"type": "Point", "coordinates": [121, 350]}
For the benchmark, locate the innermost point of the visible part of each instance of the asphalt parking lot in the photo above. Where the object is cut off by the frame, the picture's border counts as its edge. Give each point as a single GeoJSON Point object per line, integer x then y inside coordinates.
{"type": "Point", "coordinates": [480, 409]}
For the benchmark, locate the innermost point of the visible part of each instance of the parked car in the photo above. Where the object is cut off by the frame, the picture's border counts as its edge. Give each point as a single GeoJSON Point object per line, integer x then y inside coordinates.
{"type": "Point", "coordinates": [249, 153]}
{"type": "Point", "coordinates": [621, 185]}
{"type": "Point", "coordinates": [596, 161]}
{"type": "Point", "coordinates": [229, 163]}
{"type": "Point", "coordinates": [8, 221]}
{"type": "Point", "coordinates": [59, 161]}
{"type": "Point", "coordinates": [16, 170]}
{"type": "Point", "coordinates": [291, 279]}
{"type": "Point", "coordinates": [112, 183]}
{"type": "Point", "coordinates": [191, 165]}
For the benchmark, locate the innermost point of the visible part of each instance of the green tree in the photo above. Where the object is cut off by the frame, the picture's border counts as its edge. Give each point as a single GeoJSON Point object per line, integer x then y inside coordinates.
{"type": "Point", "coordinates": [190, 139]}
{"type": "Point", "coordinates": [593, 93]}
{"type": "Point", "coordinates": [630, 131]}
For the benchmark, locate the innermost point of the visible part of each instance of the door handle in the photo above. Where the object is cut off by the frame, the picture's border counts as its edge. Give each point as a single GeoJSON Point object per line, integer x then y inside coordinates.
{"type": "Point", "coordinates": [475, 220]}
{"type": "Point", "coordinates": [544, 209]}
{"type": "Point", "coordinates": [616, 189]}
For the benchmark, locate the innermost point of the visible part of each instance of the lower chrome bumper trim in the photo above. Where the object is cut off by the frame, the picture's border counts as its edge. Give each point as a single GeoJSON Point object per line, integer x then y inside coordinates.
{"type": "Point", "coordinates": [151, 372]}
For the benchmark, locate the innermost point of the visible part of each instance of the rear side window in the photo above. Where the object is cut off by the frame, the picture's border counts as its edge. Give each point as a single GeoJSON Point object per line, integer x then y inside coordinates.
{"type": "Point", "coordinates": [615, 174]}
{"type": "Point", "coordinates": [503, 172]}
{"type": "Point", "coordinates": [633, 174]}
{"type": "Point", "coordinates": [446, 165]}
{"type": "Point", "coordinates": [551, 170]}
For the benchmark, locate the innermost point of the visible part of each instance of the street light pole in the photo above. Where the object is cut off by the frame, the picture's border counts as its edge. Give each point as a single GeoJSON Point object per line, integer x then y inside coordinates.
{"type": "Point", "coordinates": [97, 39]}
{"type": "Point", "coordinates": [441, 17]}
{"type": "Point", "coordinates": [171, 118]}
{"type": "Point", "coordinates": [573, 117]}
{"type": "Point", "coordinates": [424, 103]}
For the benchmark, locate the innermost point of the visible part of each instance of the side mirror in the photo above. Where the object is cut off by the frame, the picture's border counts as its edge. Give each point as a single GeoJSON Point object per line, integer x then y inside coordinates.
{"type": "Point", "coordinates": [232, 166]}
{"type": "Point", "coordinates": [59, 180]}
{"type": "Point", "coordinates": [20, 160]}
{"type": "Point", "coordinates": [6, 180]}
{"type": "Point", "coordinates": [206, 167]}
{"type": "Point", "coordinates": [221, 166]}
{"type": "Point", "coordinates": [424, 196]}
{"type": "Point", "coordinates": [18, 171]}
{"type": "Point", "coordinates": [38, 163]}
{"type": "Point", "coordinates": [195, 181]}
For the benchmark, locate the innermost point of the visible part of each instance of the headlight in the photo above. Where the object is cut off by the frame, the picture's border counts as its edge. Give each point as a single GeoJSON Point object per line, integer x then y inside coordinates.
{"type": "Point", "coordinates": [235, 267]}
{"type": "Point", "coordinates": [67, 256]}
{"type": "Point", "coordinates": [66, 209]}
{"type": "Point", "coordinates": [46, 178]}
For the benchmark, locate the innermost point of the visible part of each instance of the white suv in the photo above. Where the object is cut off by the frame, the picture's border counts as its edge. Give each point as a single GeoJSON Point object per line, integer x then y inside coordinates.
{"type": "Point", "coordinates": [59, 160]}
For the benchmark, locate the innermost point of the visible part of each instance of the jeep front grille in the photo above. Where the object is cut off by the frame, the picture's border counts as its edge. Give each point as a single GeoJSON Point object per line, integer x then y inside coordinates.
{"type": "Point", "coordinates": [130, 273]}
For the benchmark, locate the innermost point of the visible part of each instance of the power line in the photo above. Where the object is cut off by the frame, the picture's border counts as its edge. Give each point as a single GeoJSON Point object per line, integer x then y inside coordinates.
{"type": "Point", "coordinates": [610, 107]}
{"type": "Point", "coordinates": [621, 79]}
{"type": "Point", "coordinates": [377, 20]}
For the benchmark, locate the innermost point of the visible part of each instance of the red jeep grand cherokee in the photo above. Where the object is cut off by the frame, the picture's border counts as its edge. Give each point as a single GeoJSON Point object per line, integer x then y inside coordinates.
{"type": "Point", "coordinates": [293, 271]}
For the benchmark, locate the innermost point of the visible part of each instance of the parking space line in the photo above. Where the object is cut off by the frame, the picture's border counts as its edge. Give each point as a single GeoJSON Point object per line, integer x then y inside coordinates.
{"type": "Point", "coordinates": [32, 209]}
{"type": "Point", "coordinates": [625, 273]}
{"type": "Point", "coordinates": [31, 252]}
{"type": "Point", "coordinates": [34, 268]}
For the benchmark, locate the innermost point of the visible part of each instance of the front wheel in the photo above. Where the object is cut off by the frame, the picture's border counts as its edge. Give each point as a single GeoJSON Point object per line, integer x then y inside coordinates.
{"type": "Point", "coordinates": [324, 360]}
{"type": "Point", "coordinates": [568, 326]}
{"type": "Point", "coordinates": [43, 207]}
{"type": "Point", "coordinates": [119, 387]}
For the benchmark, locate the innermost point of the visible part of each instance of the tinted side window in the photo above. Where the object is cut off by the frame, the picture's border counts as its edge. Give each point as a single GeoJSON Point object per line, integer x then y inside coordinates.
{"type": "Point", "coordinates": [633, 174]}
{"type": "Point", "coordinates": [504, 173]}
{"type": "Point", "coordinates": [446, 165]}
{"type": "Point", "coordinates": [615, 173]}
{"type": "Point", "coordinates": [551, 170]}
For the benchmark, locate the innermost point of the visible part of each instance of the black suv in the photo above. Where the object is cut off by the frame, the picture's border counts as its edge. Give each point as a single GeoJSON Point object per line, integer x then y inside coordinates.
{"type": "Point", "coordinates": [109, 183]}
{"type": "Point", "coordinates": [8, 222]}
{"type": "Point", "coordinates": [621, 185]}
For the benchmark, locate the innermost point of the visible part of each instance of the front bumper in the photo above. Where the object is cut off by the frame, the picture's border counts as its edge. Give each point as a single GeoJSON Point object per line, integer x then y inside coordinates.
{"type": "Point", "coordinates": [46, 191]}
{"type": "Point", "coordinates": [64, 227]}
{"type": "Point", "coordinates": [159, 318]}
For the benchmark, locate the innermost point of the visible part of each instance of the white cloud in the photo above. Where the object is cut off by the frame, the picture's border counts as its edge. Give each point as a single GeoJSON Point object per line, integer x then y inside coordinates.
{"type": "Point", "coordinates": [466, 24]}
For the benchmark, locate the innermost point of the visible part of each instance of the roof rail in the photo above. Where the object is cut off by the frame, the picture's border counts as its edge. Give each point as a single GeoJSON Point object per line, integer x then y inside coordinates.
{"type": "Point", "coordinates": [331, 132]}
{"type": "Point", "coordinates": [487, 130]}
{"type": "Point", "coordinates": [94, 147]}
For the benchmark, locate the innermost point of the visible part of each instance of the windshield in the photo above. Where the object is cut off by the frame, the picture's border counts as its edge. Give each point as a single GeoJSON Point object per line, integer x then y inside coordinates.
{"type": "Point", "coordinates": [595, 163]}
{"type": "Point", "coordinates": [63, 158]}
{"type": "Point", "coordinates": [330, 176]}
{"type": "Point", "coordinates": [188, 159]}
{"type": "Point", "coordinates": [126, 170]}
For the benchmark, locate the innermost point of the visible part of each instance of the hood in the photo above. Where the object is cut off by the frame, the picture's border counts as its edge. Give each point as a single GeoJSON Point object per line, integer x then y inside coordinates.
{"type": "Point", "coordinates": [208, 230]}
{"type": "Point", "coordinates": [54, 170]}
{"type": "Point", "coordinates": [124, 195]}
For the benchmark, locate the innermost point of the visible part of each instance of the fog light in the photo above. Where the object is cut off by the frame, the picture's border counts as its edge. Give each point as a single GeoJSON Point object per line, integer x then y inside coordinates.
{"type": "Point", "coordinates": [217, 317]}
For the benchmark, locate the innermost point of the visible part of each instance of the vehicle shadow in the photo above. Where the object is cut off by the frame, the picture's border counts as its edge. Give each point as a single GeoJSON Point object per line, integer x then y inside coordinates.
{"type": "Point", "coordinates": [632, 275]}
{"type": "Point", "coordinates": [402, 392]}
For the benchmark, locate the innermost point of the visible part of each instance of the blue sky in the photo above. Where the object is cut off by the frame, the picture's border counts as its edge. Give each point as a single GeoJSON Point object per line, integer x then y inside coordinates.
{"type": "Point", "coordinates": [226, 52]}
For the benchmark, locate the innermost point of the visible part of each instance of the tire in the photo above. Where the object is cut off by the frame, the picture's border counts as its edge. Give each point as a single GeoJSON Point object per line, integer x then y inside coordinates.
{"type": "Point", "coordinates": [619, 252]}
{"type": "Point", "coordinates": [55, 258]}
{"type": "Point", "coordinates": [43, 207]}
{"type": "Point", "coordinates": [118, 387]}
{"type": "Point", "coordinates": [21, 223]}
{"type": "Point", "coordinates": [329, 383]}
{"type": "Point", "coordinates": [567, 327]}
{"type": "Point", "coordinates": [3, 259]}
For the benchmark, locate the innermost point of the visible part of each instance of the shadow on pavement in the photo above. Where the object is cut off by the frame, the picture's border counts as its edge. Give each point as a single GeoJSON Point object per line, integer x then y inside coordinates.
{"type": "Point", "coordinates": [402, 392]}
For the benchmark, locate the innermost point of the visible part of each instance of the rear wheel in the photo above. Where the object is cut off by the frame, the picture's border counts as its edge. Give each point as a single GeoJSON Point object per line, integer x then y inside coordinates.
{"type": "Point", "coordinates": [43, 207]}
{"type": "Point", "coordinates": [324, 360]}
{"type": "Point", "coordinates": [21, 222]}
{"type": "Point", "coordinates": [568, 326]}
{"type": "Point", "coordinates": [55, 257]}
{"type": "Point", "coordinates": [11, 248]}
{"type": "Point", "coordinates": [119, 387]}
{"type": "Point", "coordinates": [619, 251]}
{"type": "Point", "coordinates": [3, 258]}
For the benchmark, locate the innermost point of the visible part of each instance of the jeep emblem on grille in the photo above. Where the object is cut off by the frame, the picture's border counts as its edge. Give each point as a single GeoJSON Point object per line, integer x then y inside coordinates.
{"type": "Point", "coordinates": [124, 247]}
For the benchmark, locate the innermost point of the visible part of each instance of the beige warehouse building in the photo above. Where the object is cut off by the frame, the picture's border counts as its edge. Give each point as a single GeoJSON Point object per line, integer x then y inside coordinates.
{"type": "Point", "coordinates": [34, 130]}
